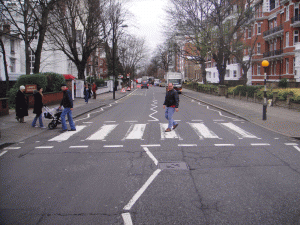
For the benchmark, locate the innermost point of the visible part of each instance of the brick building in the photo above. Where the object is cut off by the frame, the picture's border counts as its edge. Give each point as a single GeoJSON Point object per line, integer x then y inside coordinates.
{"type": "Point", "coordinates": [96, 64]}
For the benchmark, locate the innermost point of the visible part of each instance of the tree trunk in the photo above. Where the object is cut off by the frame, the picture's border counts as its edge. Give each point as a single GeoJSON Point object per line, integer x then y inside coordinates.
{"type": "Point", "coordinates": [203, 66]}
{"type": "Point", "coordinates": [5, 65]}
{"type": "Point", "coordinates": [222, 72]}
{"type": "Point", "coordinates": [81, 68]}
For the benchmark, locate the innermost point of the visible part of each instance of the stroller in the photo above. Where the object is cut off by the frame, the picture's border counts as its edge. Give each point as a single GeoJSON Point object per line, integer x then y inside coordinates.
{"type": "Point", "coordinates": [53, 114]}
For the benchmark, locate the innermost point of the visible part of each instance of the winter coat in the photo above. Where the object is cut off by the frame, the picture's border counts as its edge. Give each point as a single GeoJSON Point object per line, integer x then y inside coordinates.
{"type": "Point", "coordinates": [67, 101]}
{"type": "Point", "coordinates": [172, 99]}
{"type": "Point", "coordinates": [21, 105]}
{"type": "Point", "coordinates": [38, 103]}
{"type": "Point", "coordinates": [87, 92]}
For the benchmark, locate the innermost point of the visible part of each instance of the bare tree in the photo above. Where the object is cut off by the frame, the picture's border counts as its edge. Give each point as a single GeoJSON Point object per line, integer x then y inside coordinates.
{"type": "Point", "coordinates": [132, 52]}
{"type": "Point", "coordinates": [77, 30]}
{"type": "Point", "coordinates": [29, 20]}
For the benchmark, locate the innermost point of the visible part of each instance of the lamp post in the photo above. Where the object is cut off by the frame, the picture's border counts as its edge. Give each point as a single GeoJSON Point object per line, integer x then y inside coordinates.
{"type": "Point", "coordinates": [265, 64]}
{"type": "Point", "coordinates": [114, 56]}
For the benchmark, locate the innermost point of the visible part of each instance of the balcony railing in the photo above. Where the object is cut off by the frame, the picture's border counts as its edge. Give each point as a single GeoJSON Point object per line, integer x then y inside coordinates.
{"type": "Point", "coordinates": [274, 30]}
{"type": "Point", "coordinates": [273, 53]}
{"type": "Point", "coordinates": [296, 19]}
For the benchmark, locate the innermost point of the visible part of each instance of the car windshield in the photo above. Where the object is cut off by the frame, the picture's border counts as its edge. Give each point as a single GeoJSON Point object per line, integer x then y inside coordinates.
{"type": "Point", "coordinates": [175, 81]}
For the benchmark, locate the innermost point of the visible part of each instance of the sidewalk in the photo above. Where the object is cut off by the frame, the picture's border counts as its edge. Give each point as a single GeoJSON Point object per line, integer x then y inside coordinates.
{"type": "Point", "coordinates": [280, 120]}
{"type": "Point", "coordinates": [13, 131]}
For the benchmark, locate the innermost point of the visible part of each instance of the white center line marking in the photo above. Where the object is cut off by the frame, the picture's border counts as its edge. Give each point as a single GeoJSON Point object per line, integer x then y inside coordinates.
{"type": "Point", "coordinates": [296, 147]}
{"type": "Point", "coordinates": [44, 147]}
{"type": "Point", "coordinates": [113, 146]}
{"type": "Point", "coordinates": [197, 120]}
{"type": "Point", "coordinates": [134, 121]}
{"type": "Point", "coordinates": [187, 145]}
{"type": "Point", "coordinates": [151, 155]}
{"type": "Point", "coordinates": [127, 219]}
{"type": "Point", "coordinates": [142, 189]}
{"type": "Point", "coordinates": [224, 145]}
{"type": "Point", "coordinates": [2, 153]}
{"type": "Point", "coordinates": [109, 121]}
{"type": "Point", "coordinates": [82, 146]}
{"type": "Point", "coordinates": [155, 145]}
{"type": "Point", "coordinates": [12, 148]}
{"type": "Point", "coordinates": [290, 143]}
{"type": "Point", "coordinates": [260, 144]}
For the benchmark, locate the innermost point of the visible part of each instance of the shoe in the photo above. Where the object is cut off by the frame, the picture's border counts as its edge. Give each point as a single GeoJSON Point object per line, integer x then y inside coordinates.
{"type": "Point", "coordinates": [43, 127]}
{"type": "Point", "coordinates": [72, 130]}
{"type": "Point", "coordinates": [168, 130]}
{"type": "Point", "coordinates": [18, 119]}
{"type": "Point", "coordinates": [176, 125]}
{"type": "Point", "coordinates": [64, 131]}
{"type": "Point", "coordinates": [35, 126]}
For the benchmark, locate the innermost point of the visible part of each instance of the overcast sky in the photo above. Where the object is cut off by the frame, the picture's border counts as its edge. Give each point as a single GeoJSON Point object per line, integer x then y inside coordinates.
{"type": "Point", "coordinates": [149, 18]}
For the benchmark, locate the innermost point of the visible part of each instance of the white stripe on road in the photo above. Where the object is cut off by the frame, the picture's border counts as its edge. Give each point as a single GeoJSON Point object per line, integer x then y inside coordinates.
{"type": "Point", "coordinates": [219, 145]}
{"type": "Point", "coordinates": [127, 219]}
{"type": "Point", "coordinates": [296, 147]}
{"type": "Point", "coordinates": [109, 121]}
{"type": "Point", "coordinates": [164, 135]}
{"type": "Point", "coordinates": [12, 148]}
{"type": "Point", "coordinates": [237, 130]}
{"type": "Point", "coordinates": [151, 155]}
{"type": "Point", "coordinates": [2, 153]}
{"type": "Point", "coordinates": [44, 147]}
{"type": "Point", "coordinates": [82, 146]}
{"type": "Point", "coordinates": [131, 121]}
{"type": "Point", "coordinates": [187, 145]}
{"type": "Point", "coordinates": [290, 143]}
{"type": "Point", "coordinates": [136, 131]}
{"type": "Point", "coordinates": [155, 145]}
{"type": "Point", "coordinates": [260, 144]}
{"type": "Point", "coordinates": [66, 135]}
{"type": "Point", "coordinates": [202, 131]}
{"type": "Point", "coordinates": [142, 189]}
{"type": "Point", "coordinates": [113, 146]}
{"type": "Point", "coordinates": [102, 133]}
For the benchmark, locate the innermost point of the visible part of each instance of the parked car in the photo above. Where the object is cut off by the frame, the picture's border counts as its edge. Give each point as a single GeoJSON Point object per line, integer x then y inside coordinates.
{"type": "Point", "coordinates": [144, 84]}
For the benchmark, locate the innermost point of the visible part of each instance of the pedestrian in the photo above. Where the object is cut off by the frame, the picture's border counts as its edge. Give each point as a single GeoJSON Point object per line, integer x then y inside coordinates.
{"type": "Point", "coordinates": [21, 105]}
{"type": "Point", "coordinates": [171, 105]}
{"type": "Point", "coordinates": [87, 93]}
{"type": "Point", "coordinates": [38, 106]}
{"type": "Point", "coordinates": [94, 89]}
{"type": "Point", "coordinates": [67, 103]}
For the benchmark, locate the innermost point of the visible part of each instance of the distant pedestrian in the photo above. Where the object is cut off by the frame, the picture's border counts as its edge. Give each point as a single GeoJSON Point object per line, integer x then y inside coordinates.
{"type": "Point", "coordinates": [67, 103]}
{"type": "Point", "coordinates": [21, 105]}
{"type": "Point", "coordinates": [87, 93]}
{"type": "Point", "coordinates": [172, 103]}
{"type": "Point", "coordinates": [94, 89]}
{"type": "Point", "coordinates": [38, 106]}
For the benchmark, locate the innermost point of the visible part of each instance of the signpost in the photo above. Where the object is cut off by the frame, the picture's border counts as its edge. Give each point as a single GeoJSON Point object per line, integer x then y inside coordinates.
{"type": "Point", "coordinates": [265, 64]}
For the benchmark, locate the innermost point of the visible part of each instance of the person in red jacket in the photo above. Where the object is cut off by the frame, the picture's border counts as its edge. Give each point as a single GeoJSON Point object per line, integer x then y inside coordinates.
{"type": "Point", "coordinates": [94, 89]}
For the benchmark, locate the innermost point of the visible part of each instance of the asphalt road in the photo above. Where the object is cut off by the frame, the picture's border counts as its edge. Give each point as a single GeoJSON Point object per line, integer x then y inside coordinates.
{"type": "Point", "coordinates": [120, 167]}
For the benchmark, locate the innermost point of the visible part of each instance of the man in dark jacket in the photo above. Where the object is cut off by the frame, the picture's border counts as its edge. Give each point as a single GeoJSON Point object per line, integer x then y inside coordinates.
{"type": "Point", "coordinates": [67, 103]}
{"type": "Point", "coordinates": [172, 103]}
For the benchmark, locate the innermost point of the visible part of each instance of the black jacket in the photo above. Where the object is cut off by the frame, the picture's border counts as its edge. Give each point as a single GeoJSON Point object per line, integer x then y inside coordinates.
{"type": "Point", "coordinates": [38, 103]}
{"type": "Point", "coordinates": [21, 105]}
{"type": "Point", "coordinates": [67, 101]}
{"type": "Point", "coordinates": [172, 98]}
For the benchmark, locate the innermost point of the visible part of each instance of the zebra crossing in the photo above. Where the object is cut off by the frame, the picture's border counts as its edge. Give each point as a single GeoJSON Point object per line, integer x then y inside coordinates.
{"type": "Point", "coordinates": [137, 132]}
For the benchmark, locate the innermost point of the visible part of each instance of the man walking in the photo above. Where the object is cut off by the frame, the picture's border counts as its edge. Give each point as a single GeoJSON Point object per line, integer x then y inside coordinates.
{"type": "Point", "coordinates": [172, 103]}
{"type": "Point", "coordinates": [67, 103]}
{"type": "Point", "coordinates": [94, 89]}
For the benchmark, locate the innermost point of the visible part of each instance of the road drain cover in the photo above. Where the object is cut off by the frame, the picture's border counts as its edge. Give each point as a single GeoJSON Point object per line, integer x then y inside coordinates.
{"type": "Point", "coordinates": [173, 166]}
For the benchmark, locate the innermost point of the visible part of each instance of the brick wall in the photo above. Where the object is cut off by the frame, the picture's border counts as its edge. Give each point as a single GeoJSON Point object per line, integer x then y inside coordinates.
{"type": "Point", "coordinates": [4, 109]}
{"type": "Point", "coordinates": [48, 99]}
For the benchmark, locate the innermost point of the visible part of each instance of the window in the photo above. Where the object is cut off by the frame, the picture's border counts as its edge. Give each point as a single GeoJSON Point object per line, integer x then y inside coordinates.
{"type": "Point", "coordinates": [249, 33]}
{"type": "Point", "coordinates": [287, 13]}
{"type": "Point", "coordinates": [101, 62]}
{"type": "Point", "coordinates": [275, 44]}
{"type": "Point", "coordinates": [234, 73]}
{"type": "Point", "coordinates": [227, 73]}
{"type": "Point", "coordinates": [32, 60]}
{"type": "Point", "coordinates": [287, 43]}
{"type": "Point", "coordinates": [258, 69]}
{"type": "Point", "coordinates": [296, 36]}
{"type": "Point", "coordinates": [287, 66]}
{"type": "Point", "coordinates": [12, 46]}
{"type": "Point", "coordinates": [12, 65]}
{"type": "Point", "coordinates": [259, 28]}
{"type": "Point", "coordinates": [294, 67]}
{"type": "Point", "coordinates": [258, 48]}
{"type": "Point", "coordinates": [214, 75]}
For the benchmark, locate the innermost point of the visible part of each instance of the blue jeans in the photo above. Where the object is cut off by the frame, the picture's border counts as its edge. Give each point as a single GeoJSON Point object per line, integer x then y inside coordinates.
{"type": "Point", "coordinates": [86, 97]}
{"type": "Point", "coordinates": [169, 116]}
{"type": "Point", "coordinates": [68, 112]}
{"type": "Point", "coordinates": [40, 120]}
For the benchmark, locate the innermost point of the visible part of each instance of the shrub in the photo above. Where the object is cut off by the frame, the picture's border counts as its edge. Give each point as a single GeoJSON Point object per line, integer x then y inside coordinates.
{"type": "Point", "coordinates": [283, 83]}
{"type": "Point", "coordinates": [54, 81]}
